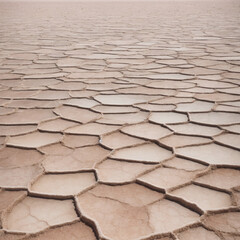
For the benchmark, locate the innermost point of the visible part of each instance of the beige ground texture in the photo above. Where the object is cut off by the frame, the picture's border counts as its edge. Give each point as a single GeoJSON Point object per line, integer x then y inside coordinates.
{"type": "Point", "coordinates": [120, 120]}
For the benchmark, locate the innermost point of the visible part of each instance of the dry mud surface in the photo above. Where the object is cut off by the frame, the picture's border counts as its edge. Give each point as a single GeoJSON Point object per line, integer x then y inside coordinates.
{"type": "Point", "coordinates": [120, 121]}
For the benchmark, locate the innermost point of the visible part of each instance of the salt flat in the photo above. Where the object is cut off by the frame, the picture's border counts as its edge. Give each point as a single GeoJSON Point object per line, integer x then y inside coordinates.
{"type": "Point", "coordinates": [120, 120]}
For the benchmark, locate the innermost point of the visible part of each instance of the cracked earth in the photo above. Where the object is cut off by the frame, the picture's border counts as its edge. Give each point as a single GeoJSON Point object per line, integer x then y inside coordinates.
{"type": "Point", "coordinates": [120, 121]}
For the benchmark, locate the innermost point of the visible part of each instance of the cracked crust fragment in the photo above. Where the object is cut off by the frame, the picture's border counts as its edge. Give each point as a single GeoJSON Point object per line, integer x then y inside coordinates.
{"type": "Point", "coordinates": [118, 121]}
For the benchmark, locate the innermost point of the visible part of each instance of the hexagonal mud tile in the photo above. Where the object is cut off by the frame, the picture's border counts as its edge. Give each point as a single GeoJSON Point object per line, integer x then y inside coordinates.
{"type": "Point", "coordinates": [92, 129]}
{"type": "Point", "coordinates": [198, 90]}
{"type": "Point", "coordinates": [17, 94]}
{"type": "Point", "coordinates": [197, 233]}
{"type": "Point", "coordinates": [109, 86]}
{"type": "Point", "coordinates": [171, 76]}
{"type": "Point", "coordinates": [130, 194]}
{"type": "Point", "coordinates": [75, 231]}
{"type": "Point", "coordinates": [79, 159]}
{"type": "Point", "coordinates": [205, 198]}
{"type": "Point", "coordinates": [159, 178]}
{"type": "Point", "coordinates": [35, 214]}
{"type": "Point", "coordinates": [55, 149]}
{"type": "Point", "coordinates": [76, 141]}
{"type": "Point", "coordinates": [235, 90]}
{"type": "Point", "coordinates": [15, 157]}
{"type": "Point", "coordinates": [171, 84]}
{"type": "Point", "coordinates": [174, 100]}
{"type": "Point", "coordinates": [146, 153]}
{"type": "Point", "coordinates": [216, 118]}
{"type": "Point", "coordinates": [168, 117]}
{"type": "Point", "coordinates": [29, 116]}
{"type": "Point", "coordinates": [31, 104]}
{"type": "Point", "coordinates": [57, 125]}
{"type": "Point", "coordinates": [232, 103]}
{"type": "Point", "coordinates": [69, 62]}
{"type": "Point", "coordinates": [123, 99]}
{"type": "Point", "coordinates": [184, 164]}
{"type": "Point", "coordinates": [51, 95]}
{"type": "Point", "coordinates": [201, 71]}
{"type": "Point", "coordinates": [115, 109]}
{"type": "Point", "coordinates": [182, 140]}
{"type": "Point", "coordinates": [197, 106]}
{"type": "Point", "coordinates": [39, 76]}
{"type": "Point", "coordinates": [82, 102]}
{"type": "Point", "coordinates": [147, 130]}
{"type": "Point", "coordinates": [111, 171]}
{"type": "Point", "coordinates": [195, 129]}
{"type": "Point", "coordinates": [8, 198]}
{"type": "Point", "coordinates": [37, 84]}
{"type": "Point", "coordinates": [103, 74]}
{"type": "Point", "coordinates": [76, 114]}
{"type": "Point", "coordinates": [82, 94]}
{"type": "Point", "coordinates": [177, 215]}
{"type": "Point", "coordinates": [34, 140]}
{"type": "Point", "coordinates": [217, 97]}
{"type": "Point", "coordinates": [229, 139]}
{"type": "Point", "coordinates": [233, 128]}
{"type": "Point", "coordinates": [212, 154]}
{"type": "Point", "coordinates": [119, 140]}
{"type": "Point", "coordinates": [68, 86]}
{"type": "Point", "coordinates": [224, 108]}
{"type": "Point", "coordinates": [63, 184]}
{"type": "Point", "coordinates": [213, 84]}
{"type": "Point", "coordinates": [156, 107]}
{"type": "Point", "coordinates": [154, 93]}
{"type": "Point", "coordinates": [126, 118]}
{"type": "Point", "coordinates": [12, 130]}
{"type": "Point", "coordinates": [19, 177]}
{"type": "Point", "coordinates": [225, 222]}
{"type": "Point", "coordinates": [132, 211]}
{"type": "Point", "coordinates": [225, 178]}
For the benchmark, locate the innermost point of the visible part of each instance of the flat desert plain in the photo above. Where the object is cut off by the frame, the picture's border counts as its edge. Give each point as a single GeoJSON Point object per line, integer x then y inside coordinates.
{"type": "Point", "coordinates": [120, 120]}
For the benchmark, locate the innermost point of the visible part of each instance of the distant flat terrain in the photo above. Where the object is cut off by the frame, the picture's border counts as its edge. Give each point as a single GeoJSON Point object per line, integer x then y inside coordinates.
{"type": "Point", "coordinates": [120, 120]}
